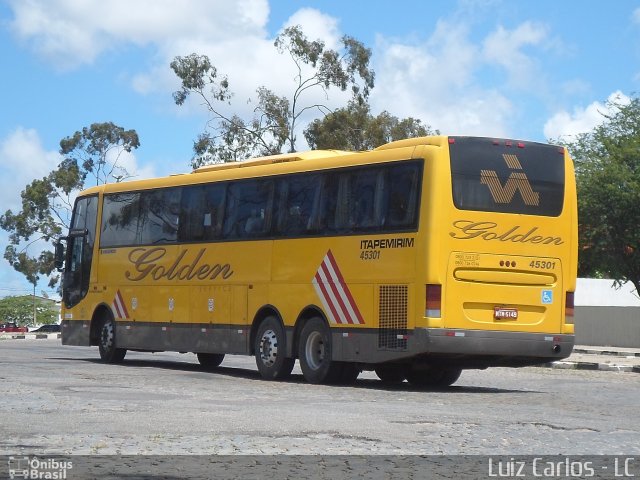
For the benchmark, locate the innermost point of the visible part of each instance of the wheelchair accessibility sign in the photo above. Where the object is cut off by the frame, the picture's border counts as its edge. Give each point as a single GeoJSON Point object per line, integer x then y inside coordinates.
{"type": "Point", "coordinates": [547, 297]}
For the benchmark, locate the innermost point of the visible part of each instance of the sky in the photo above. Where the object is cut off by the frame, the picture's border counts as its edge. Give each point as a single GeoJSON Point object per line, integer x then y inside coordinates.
{"type": "Point", "coordinates": [531, 70]}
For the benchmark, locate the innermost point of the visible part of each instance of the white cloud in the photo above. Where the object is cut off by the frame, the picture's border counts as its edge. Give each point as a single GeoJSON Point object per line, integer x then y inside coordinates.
{"type": "Point", "coordinates": [233, 34]}
{"type": "Point", "coordinates": [69, 33]}
{"type": "Point", "coordinates": [437, 81]}
{"type": "Point", "coordinates": [505, 48]}
{"type": "Point", "coordinates": [127, 160]}
{"type": "Point", "coordinates": [249, 59]}
{"type": "Point", "coordinates": [636, 15]}
{"type": "Point", "coordinates": [23, 160]}
{"type": "Point", "coordinates": [566, 125]}
{"type": "Point", "coordinates": [316, 25]}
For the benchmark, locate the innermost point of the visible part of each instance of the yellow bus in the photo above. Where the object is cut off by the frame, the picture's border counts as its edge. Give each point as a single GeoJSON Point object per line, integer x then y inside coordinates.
{"type": "Point", "coordinates": [418, 259]}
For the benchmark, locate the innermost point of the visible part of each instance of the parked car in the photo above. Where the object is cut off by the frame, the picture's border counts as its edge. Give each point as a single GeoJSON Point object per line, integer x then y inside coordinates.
{"type": "Point", "coordinates": [12, 327]}
{"type": "Point", "coordinates": [51, 328]}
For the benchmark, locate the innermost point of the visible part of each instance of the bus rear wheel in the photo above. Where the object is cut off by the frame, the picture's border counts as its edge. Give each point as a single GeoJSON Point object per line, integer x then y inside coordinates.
{"type": "Point", "coordinates": [433, 376]}
{"type": "Point", "coordinates": [391, 374]}
{"type": "Point", "coordinates": [210, 361]}
{"type": "Point", "coordinates": [314, 353]}
{"type": "Point", "coordinates": [270, 350]}
{"type": "Point", "coordinates": [109, 353]}
{"type": "Point", "coordinates": [349, 372]}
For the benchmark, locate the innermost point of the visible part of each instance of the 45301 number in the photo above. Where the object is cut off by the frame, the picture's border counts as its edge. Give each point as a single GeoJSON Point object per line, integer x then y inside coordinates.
{"type": "Point", "coordinates": [370, 255]}
{"type": "Point", "coordinates": [542, 264]}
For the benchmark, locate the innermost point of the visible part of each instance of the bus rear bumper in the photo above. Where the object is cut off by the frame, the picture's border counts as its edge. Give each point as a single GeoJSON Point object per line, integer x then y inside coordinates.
{"type": "Point", "coordinates": [468, 348]}
{"type": "Point", "coordinates": [496, 347]}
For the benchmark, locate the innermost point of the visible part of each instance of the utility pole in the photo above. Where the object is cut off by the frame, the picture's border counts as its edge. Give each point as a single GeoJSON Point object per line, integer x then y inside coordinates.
{"type": "Point", "coordinates": [34, 304]}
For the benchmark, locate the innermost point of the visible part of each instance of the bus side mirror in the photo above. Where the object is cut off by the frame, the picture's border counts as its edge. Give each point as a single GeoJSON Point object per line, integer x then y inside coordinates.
{"type": "Point", "coordinates": [59, 255]}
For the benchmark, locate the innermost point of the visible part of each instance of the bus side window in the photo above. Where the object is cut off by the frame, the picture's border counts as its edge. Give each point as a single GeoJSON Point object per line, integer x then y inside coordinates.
{"type": "Point", "coordinates": [249, 207]}
{"type": "Point", "coordinates": [231, 212]}
{"type": "Point", "coordinates": [381, 198]}
{"type": "Point", "coordinates": [362, 199]}
{"type": "Point", "coordinates": [323, 216]}
{"type": "Point", "coordinates": [214, 210]}
{"type": "Point", "coordinates": [403, 196]}
{"type": "Point", "coordinates": [343, 203]}
{"type": "Point", "coordinates": [120, 213]}
{"type": "Point", "coordinates": [192, 214]}
{"type": "Point", "coordinates": [296, 198]}
{"type": "Point", "coordinates": [159, 216]}
{"type": "Point", "coordinates": [282, 196]}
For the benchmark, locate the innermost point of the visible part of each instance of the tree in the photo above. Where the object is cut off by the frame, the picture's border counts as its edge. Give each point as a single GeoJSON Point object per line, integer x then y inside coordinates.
{"type": "Point", "coordinates": [355, 128]}
{"type": "Point", "coordinates": [90, 157]}
{"type": "Point", "coordinates": [608, 174]}
{"type": "Point", "coordinates": [19, 309]}
{"type": "Point", "coordinates": [229, 137]}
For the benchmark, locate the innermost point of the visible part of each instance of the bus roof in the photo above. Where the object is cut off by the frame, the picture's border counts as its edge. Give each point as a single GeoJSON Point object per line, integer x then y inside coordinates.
{"type": "Point", "coordinates": [436, 140]}
{"type": "Point", "coordinates": [257, 162]}
{"type": "Point", "coordinates": [281, 158]}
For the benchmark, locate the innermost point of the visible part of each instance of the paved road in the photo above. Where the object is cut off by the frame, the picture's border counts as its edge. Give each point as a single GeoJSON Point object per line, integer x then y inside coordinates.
{"type": "Point", "coordinates": [61, 400]}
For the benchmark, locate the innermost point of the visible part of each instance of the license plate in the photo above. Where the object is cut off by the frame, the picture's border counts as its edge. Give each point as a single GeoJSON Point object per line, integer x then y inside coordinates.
{"type": "Point", "coordinates": [503, 313]}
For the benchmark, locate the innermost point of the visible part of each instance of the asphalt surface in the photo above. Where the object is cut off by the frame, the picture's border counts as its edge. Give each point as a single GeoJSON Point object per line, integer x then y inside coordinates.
{"type": "Point", "coordinates": [62, 400]}
{"type": "Point", "coordinates": [64, 414]}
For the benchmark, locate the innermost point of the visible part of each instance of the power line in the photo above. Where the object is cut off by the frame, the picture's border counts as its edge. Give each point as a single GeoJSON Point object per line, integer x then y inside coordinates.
{"type": "Point", "coordinates": [26, 291]}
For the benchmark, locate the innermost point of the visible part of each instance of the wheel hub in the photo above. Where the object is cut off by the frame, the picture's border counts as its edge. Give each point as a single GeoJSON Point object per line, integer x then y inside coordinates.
{"type": "Point", "coordinates": [269, 347]}
{"type": "Point", "coordinates": [315, 350]}
{"type": "Point", "coordinates": [107, 336]}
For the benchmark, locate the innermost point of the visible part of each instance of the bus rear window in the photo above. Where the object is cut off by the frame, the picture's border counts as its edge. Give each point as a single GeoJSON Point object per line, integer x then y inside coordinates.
{"type": "Point", "coordinates": [507, 176]}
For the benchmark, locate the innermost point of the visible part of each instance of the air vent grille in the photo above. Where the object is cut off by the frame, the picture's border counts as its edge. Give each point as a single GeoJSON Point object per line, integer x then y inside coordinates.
{"type": "Point", "coordinates": [392, 314]}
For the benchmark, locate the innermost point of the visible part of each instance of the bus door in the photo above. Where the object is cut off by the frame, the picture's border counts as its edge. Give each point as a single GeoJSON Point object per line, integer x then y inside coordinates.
{"type": "Point", "coordinates": [80, 243]}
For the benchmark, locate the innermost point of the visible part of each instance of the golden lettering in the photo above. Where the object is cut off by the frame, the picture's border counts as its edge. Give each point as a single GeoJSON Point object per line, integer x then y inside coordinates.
{"type": "Point", "coordinates": [467, 229]}
{"type": "Point", "coordinates": [147, 263]}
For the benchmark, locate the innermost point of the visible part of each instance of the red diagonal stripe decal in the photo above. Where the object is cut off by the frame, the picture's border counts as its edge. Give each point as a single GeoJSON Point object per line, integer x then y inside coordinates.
{"type": "Point", "coordinates": [334, 292]}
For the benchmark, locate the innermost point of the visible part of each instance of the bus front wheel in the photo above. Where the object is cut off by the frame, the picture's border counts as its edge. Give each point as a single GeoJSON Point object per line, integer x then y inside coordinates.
{"type": "Point", "coordinates": [270, 351]}
{"type": "Point", "coordinates": [109, 353]}
{"type": "Point", "coordinates": [314, 353]}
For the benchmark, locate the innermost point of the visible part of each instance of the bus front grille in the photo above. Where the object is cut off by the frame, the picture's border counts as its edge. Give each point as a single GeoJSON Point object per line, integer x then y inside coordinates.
{"type": "Point", "coordinates": [392, 315]}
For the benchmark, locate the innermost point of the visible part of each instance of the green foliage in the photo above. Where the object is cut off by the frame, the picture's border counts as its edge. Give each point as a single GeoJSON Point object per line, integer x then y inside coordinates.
{"type": "Point", "coordinates": [608, 174]}
{"type": "Point", "coordinates": [231, 138]}
{"type": "Point", "coordinates": [355, 128]}
{"type": "Point", "coordinates": [19, 309]}
{"type": "Point", "coordinates": [90, 156]}
{"type": "Point", "coordinates": [95, 153]}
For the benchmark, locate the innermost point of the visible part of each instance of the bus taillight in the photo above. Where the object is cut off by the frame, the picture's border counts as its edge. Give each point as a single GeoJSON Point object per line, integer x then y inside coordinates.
{"type": "Point", "coordinates": [568, 308]}
{"type": "Point", "coordinates": [433, 301]}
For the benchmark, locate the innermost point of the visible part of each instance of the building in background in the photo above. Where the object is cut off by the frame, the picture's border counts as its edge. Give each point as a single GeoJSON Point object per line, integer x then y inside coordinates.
{"type": "Point", "coordinates": [606, 315]}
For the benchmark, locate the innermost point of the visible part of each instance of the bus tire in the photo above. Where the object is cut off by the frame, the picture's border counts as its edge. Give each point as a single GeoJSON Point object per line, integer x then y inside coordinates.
{"type": "Point", "coordinates": [433, 377]}
{"type": "Point", "coordinates": [349, 373]}
{"type": "Point", "coordinates": [109, 353]}
{"type": "Point", "coordinates": [450, 376]}
{"type": "Point", "coordinates": [270, 350]}
{"type": "Point", "coordinates": [209, 361]}
{"type": "Point", "coordinates": [391, 374]}
{"type": "Point", "coordinates": [314, 353]}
